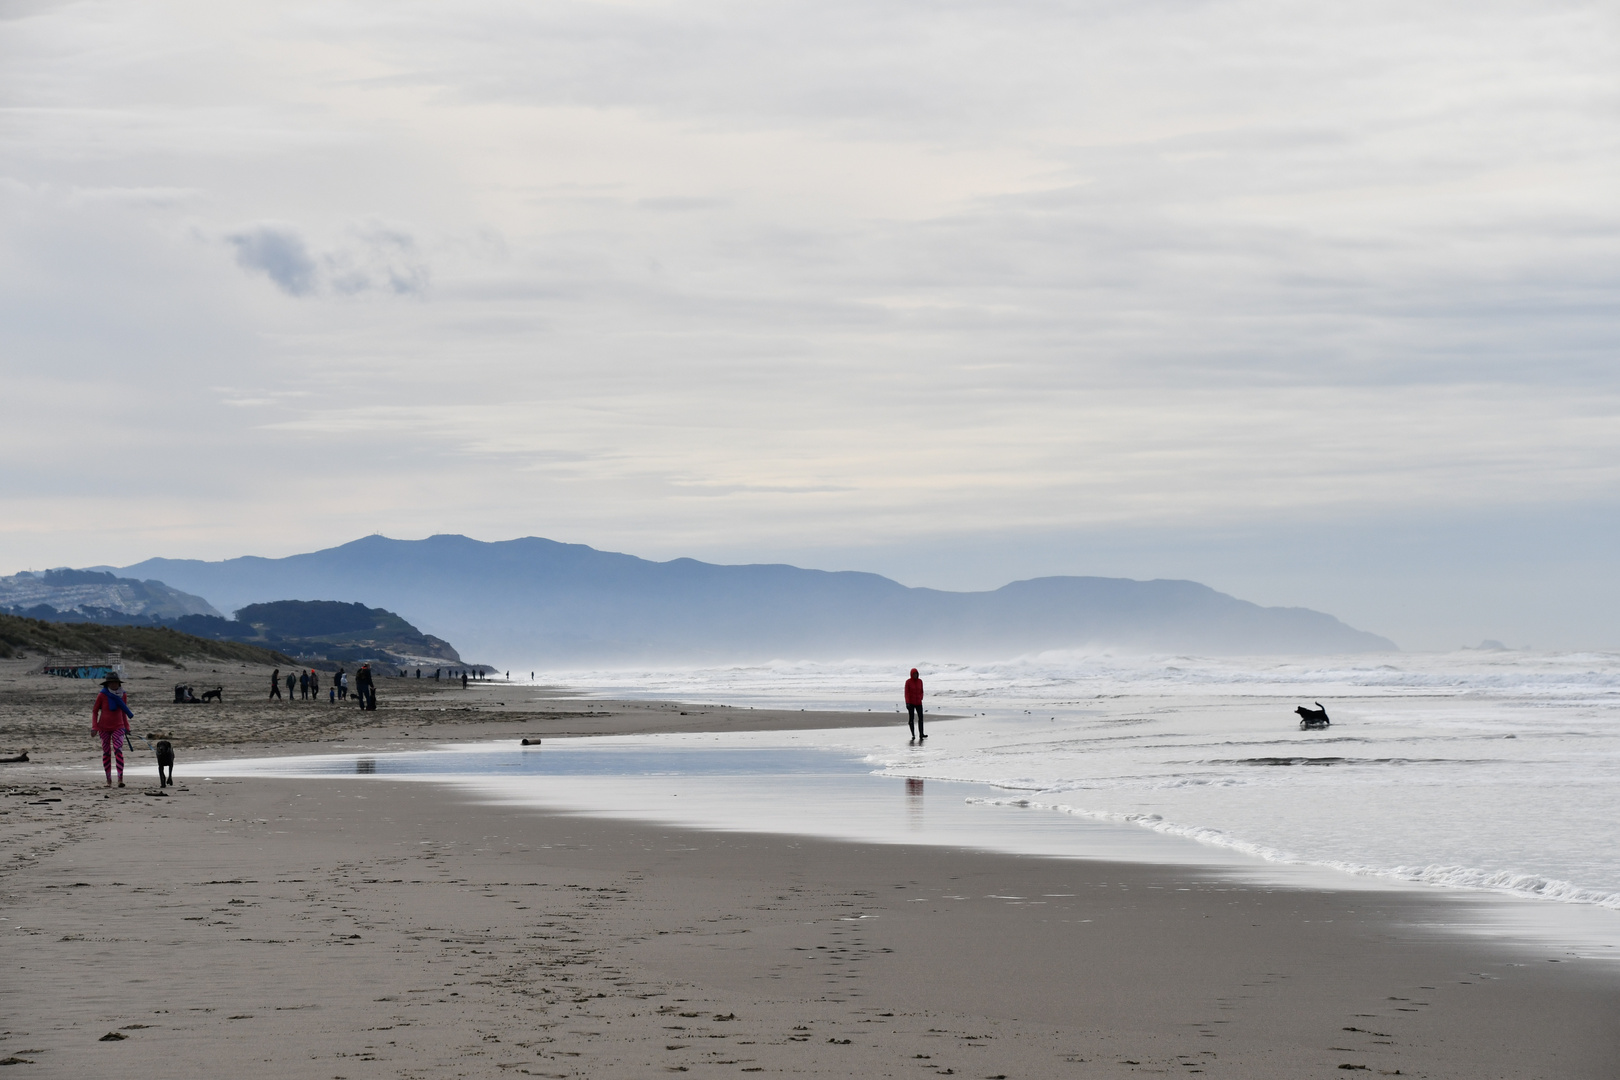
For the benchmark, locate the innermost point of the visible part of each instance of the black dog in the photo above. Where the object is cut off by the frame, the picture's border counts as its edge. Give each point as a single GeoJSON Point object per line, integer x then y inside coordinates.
{"type": "Point", "coordinates": [1313, 718]}
{"type": "Point", "coordinates": [165, 756]}
{"type": "Point", "coordinates": [217, 693]}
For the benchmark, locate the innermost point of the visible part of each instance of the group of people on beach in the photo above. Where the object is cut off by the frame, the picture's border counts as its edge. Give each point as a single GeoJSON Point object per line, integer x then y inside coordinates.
{"type": "Point", "coordinates": [308, 685]}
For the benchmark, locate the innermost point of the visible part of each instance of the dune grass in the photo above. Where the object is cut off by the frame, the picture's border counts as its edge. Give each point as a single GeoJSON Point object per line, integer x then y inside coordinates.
{"type": "Point", "coordinates": [148, 644]}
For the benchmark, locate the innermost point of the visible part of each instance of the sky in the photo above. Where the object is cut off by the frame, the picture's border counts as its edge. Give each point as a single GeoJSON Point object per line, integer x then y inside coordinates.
{"type": "Point", "coordinates": [1316, 303]}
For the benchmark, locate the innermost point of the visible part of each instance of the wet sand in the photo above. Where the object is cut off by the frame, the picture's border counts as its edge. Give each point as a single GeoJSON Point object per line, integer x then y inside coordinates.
{"type": "Point", "coordinates": [352, 928]}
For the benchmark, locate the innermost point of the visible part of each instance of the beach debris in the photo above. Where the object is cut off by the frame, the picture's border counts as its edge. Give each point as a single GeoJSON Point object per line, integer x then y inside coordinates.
{"type": "Point", "coordinates": [113, 1036]}
{"type": "Point", "coordinates": [20, 759]}
{"type": "Point", "coordinates": [531, 742]}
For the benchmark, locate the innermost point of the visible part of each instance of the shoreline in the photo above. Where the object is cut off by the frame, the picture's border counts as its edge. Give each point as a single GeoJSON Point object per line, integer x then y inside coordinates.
{"type": "Point", "coordinates": [332, 929]}
{"type": "Point", "coordinates": [306, 924]}
{"type": "Point", "coordinates": [50, 717]}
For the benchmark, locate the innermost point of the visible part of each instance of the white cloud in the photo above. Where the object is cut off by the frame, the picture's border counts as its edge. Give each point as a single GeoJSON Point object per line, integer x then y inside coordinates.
{"type": "Point", "coordinates": [694, 277]}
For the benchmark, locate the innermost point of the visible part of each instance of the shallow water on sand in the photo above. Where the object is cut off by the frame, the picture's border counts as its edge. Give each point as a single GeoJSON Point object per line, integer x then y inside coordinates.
{"type": "Point", "coordinates": [710, 783]}
{"type": "Point", "coordinates": [821, 783]}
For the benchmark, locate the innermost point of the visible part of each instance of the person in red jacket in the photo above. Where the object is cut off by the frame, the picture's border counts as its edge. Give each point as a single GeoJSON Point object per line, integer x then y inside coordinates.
{"type": "Point", "coordinates": [109, 718]}
{"type": "Point", "coordinates": [914, 713]}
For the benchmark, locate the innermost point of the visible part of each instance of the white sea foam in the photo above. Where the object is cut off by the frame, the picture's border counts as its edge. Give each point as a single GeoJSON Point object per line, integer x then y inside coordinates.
{"type": "Point", "coordinates": [1529, 885]}
{"type": "Point", "coordinates": [1493, 771]}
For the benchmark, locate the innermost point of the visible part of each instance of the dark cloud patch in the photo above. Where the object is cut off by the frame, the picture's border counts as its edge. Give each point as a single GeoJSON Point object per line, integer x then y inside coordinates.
{"type": "Point", "coordinates": [371, 259]}
{"type": "Point", "coordinates": [280, 254]}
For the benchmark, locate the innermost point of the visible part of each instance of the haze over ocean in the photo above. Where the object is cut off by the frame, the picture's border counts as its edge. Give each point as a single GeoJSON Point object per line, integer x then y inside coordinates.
{"type": "Point", "coordinates": [1312, 304]}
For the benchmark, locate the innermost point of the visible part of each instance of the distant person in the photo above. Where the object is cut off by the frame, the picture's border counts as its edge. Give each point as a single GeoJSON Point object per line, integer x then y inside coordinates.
{"type": "Point", "coordinates": [315, 684]}
{"type": "Point", "coordinates": [109, 718]}
{"type": "Point", "coordinates": [366, 688]}
{"type": "Point", "coordinates": [342, 680]}
{"type": "Point", "coordinates": [436, 673]}
{"type": "Point", "coordinates": [331, 695]}
{"type": "Point", "coordinates": [292, 682]}
{"type": "Point", "coordinates": [303, 685]}
{"type": "Point", "coordinates": [275, 685]}
{"type": "Point", "coordinates": [914, 710]}
{"type": "Point", "coordinates": [464, 680]}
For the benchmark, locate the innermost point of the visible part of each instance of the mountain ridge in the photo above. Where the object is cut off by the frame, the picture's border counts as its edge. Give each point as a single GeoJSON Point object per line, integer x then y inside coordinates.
{"type": "Point", "coordinates": [540, 602]}
{"type": "Point", "coordinates": [65, 595]}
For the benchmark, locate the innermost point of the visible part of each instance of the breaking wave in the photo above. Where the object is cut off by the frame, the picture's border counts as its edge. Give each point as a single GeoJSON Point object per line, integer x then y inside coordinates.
{"type": "Point", "coordinates": [1457, 877]}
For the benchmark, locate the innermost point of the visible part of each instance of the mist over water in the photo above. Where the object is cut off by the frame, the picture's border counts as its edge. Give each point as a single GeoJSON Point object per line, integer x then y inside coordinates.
{"type": "Point", "coordinates": [1484, 770]}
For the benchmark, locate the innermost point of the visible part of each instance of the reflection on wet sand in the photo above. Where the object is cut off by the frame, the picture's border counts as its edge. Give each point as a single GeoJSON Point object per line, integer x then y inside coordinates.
{"type": "Point", "coordinates": [914, 803]}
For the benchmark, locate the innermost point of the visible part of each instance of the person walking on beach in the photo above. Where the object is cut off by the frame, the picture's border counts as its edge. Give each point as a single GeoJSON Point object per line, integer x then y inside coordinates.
{"type": "Point", "coordinates": [109, 718]}
{"type": "Point", "coordinates": [303, 685]}
{"type": "Point", "coordinates": [914, 710]}
{"type": "Point", "coordinates": [275, 685]}
{"type": "Point", "coordinates": [365, 688]}
{"type": "Point", "coordinates": [292, 682]}
{"type": "Point", "coordinates": [314, 684]}
{"type": "Point", "coordinates": [464, 680]}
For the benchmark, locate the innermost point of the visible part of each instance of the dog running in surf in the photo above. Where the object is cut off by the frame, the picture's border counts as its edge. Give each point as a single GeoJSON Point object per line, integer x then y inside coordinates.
{"type": "Point", "coordinates": [1313, 718]}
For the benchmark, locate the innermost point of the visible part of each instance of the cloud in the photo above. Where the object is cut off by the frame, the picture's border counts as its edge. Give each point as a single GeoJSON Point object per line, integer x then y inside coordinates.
{"type": "Point", "coordinates": [280, 254]}
{"type": "Point", "coordinates": [379, 259]}
{"type": "Point", "coordinates": [879, 270]}
{"type": "Point", "coordinates": [374, 258]}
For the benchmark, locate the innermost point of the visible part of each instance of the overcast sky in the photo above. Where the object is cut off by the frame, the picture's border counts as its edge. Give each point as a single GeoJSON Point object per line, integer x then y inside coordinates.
{"type": "Point", "coordinates": [1317, 303]}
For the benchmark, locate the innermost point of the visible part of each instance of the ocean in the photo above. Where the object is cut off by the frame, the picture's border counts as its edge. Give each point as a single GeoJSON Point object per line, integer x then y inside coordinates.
{"type": "Point", "coordinates": [1476, 770]}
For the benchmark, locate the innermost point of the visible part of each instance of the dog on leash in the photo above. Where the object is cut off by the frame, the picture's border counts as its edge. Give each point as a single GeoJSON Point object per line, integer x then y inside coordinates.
{"type": "Point", "coordinates": [216, 694]}
{"type": "Point", "coordinates": [165, 758]}
{"type": "Point", "coordinates": [1313, 718]}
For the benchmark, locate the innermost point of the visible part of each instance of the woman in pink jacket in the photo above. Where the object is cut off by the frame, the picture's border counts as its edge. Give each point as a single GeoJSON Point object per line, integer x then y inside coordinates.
{"type": "Point", "coordinates": [110, 718]}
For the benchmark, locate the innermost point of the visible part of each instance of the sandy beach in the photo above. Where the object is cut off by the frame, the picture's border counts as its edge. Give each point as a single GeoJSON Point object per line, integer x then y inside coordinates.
{"type": "Point", "coordinates": [346, 928]}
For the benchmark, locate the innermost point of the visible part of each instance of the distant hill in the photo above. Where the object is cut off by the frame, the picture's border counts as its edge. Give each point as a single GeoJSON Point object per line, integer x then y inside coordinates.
{"type": "Point", "coordinates": [149, 644]}
{"type": "Point", "coordinates": [536, 602]}
{"type": "Point", "coordinates": [325, 630]}
{"type": "Point", "coordinates": [95, 596]}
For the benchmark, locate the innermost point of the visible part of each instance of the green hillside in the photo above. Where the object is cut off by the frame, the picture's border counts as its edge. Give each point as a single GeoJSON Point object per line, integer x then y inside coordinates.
{"type": "Point", "coordinates": [149, 644]}
{"type": "Point", "coordinates": [325, 630]}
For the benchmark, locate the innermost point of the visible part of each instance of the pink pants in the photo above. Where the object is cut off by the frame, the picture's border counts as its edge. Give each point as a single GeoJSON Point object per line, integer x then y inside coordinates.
{"type": "Point", "coordinates": [112, 748]}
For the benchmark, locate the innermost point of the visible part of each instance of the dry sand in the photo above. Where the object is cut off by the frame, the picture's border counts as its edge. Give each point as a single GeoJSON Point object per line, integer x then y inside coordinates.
{"type": "Point", "coordinates": [348, 928]}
